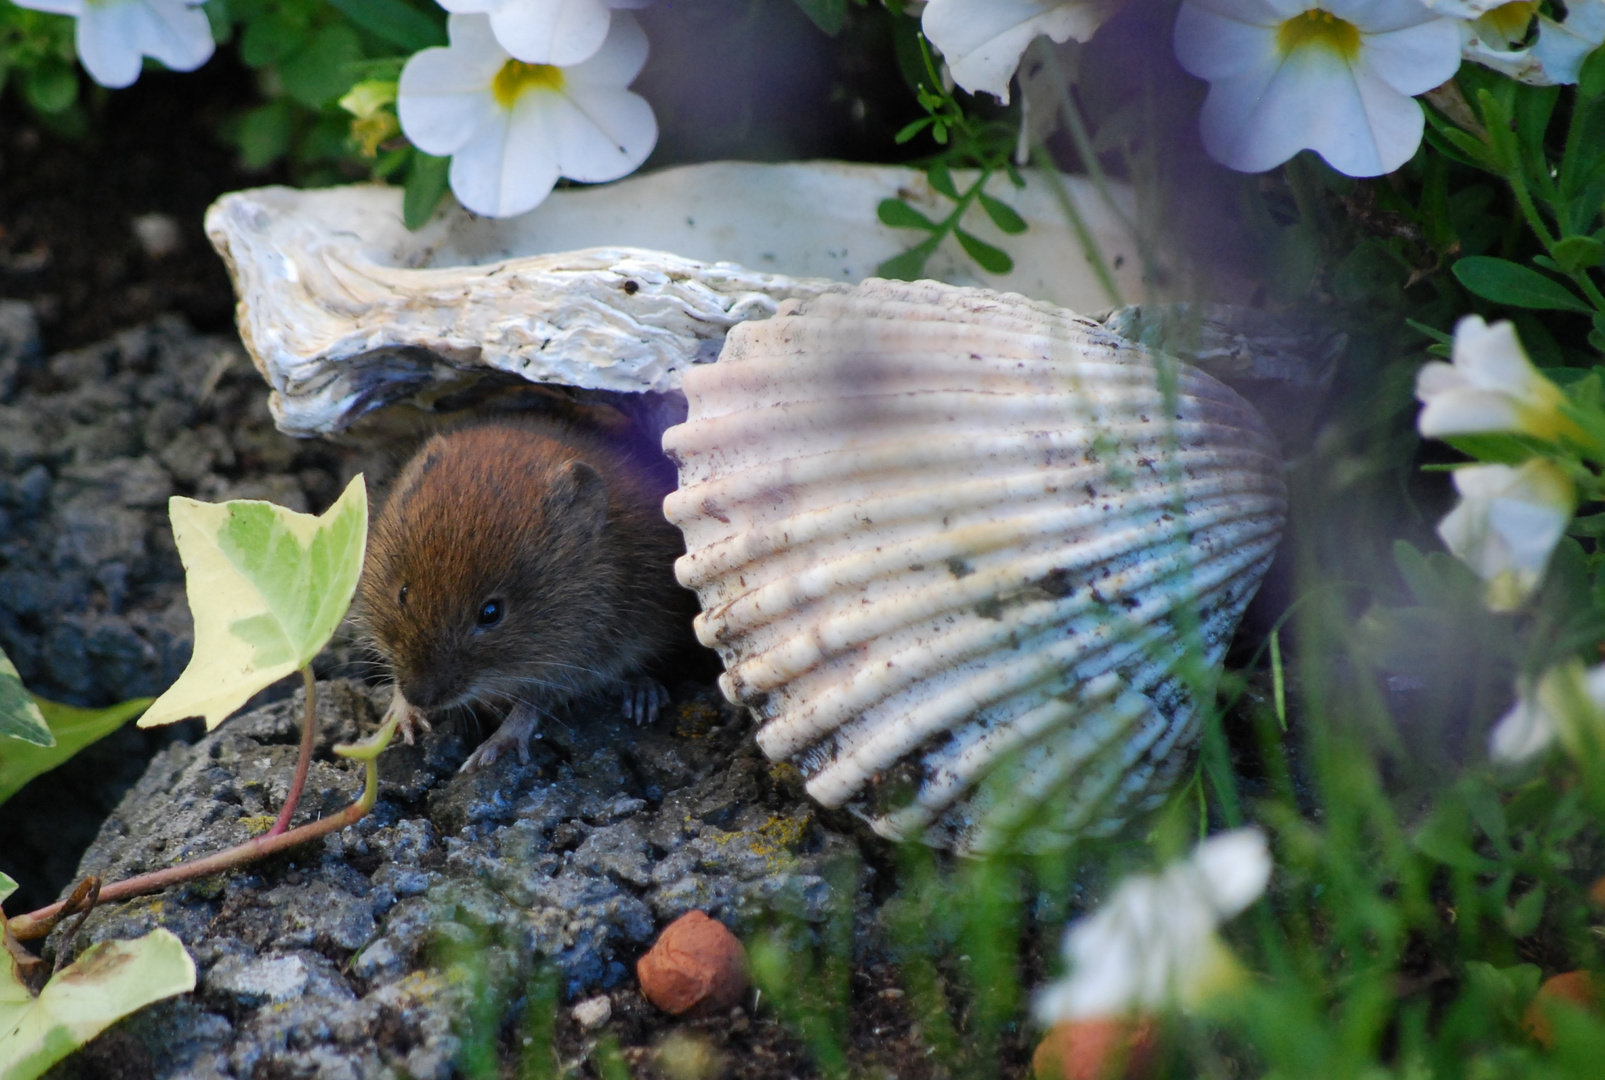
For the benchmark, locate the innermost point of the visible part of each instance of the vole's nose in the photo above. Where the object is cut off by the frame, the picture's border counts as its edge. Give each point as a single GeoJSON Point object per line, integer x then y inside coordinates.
{"type": "Point", "coordinates": [427, 690]}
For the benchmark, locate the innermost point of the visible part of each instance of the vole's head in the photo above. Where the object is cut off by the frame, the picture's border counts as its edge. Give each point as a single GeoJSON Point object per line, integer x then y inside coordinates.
{"type": "Point", "coordinates": [483, 568]}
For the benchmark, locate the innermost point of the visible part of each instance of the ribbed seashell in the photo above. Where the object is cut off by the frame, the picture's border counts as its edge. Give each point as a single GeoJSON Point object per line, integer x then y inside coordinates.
{"type": "Point", "coordinates": [971, 559]}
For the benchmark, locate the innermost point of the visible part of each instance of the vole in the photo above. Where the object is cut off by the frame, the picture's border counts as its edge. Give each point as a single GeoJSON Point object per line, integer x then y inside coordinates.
{"type": "Point", "coordinates": [521, 563]}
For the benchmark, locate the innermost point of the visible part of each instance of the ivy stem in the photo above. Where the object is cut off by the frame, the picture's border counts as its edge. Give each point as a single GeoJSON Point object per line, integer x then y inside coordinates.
{"type": "Point", "coordinates": [309, 730]}
{"type": "Point", "coordinates": [36, 924]}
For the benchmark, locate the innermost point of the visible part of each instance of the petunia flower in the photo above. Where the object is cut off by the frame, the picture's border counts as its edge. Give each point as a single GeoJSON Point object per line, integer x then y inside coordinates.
{"type": "Point", "coordinates": [983, 40]}
{"type": "Point", "coordinates": [1567, 704]}
{"type": "Point", "coordinates": [561, 32]}
{"type": "Point", "coordinates": [1153, 943]}
{"type": "Point", "coordinates": [1495, 34]}
{"type": "Point", "coordinates": [1507, 524]}
{"type": "Point", "coordinates": [1334, 76]}
{"type": "Point", "coordinates": [1490, 387]}
{"type": "Point", "coordinates": [513, 128]}
{"type": "Point", "coordinates": [114, 36]}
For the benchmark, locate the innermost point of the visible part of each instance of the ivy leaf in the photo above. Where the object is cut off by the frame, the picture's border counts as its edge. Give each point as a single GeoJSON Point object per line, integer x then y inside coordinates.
{"type": "Point", "coordinates": [899, 215]}
{"type": "Point", "coordinates": [1514, 285]}
{"type": "Point", "coordinates": [1002, 214]}
{"type": "Point", "coordinates": [20, 718]}
{"type": "Point", "coordinates": [426, 186]}
{"type": "Point", "coordinates": [73, 729]}
{"type": "Point", "coordinates": [991, 259]}
{"type": "Point", "coordinates": [105, 984]}
{"type": "Point", "coordinates": [267, 587]}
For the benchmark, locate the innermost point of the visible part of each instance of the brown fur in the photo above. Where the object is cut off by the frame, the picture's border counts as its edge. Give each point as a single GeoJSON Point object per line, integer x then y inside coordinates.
{"type": "Point", "coordinates": [566, 531]}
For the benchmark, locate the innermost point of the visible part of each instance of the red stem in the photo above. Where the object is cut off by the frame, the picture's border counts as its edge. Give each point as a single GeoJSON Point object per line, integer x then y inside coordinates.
{"type": "Point", "coordinates": [309, 729]}
{"type": "Point", "coordinates": [36, 924]}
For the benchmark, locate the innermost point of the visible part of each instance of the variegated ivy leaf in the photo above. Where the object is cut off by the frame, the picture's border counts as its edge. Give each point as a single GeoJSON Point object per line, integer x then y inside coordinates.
{"type": "Point", "coordinates": [73, 729]}
{"type": "Point", "coordinates": [102, 986]}
{"type": "Point", "coordinates": [19, 716]}
{"type": "Point", "coordinates": [267, 587]}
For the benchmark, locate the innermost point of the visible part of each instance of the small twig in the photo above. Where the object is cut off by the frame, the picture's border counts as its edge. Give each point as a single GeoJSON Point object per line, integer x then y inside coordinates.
{"type": "Point", "coordinates": [36, 924]}
{"type": "Point", "coordinates": [84, 898]}
{"type": "Point", "coordinates": [309, 729]}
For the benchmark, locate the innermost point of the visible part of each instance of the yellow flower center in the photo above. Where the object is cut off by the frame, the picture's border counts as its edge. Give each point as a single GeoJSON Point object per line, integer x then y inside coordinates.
{"type": "Point", "coordinates": [1317, 29]}
{"type": "Point", "coordinates": [516, 77]}
{"type": "Point", "coordinates": [1512, 20]}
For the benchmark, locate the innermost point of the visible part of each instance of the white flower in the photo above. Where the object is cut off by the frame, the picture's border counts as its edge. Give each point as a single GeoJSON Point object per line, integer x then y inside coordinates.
{"type": "Point", "coordinates": [1568, 704]}
{"type": "Point", "coordinates": [1507, 524]}
{"type": "Point", "coordinates": [513, 128]}
{"type": "Point", "coordinates": [1490, 387]}
{"type": "Point", "coordinates": [1493, 30]}
{"type": "Point", "coordinates": [982, 40]}
{"type": "Point", "coordinates": [114, 36]}
{"type": "Point", "coordinates": [1153, 943]}
{"type": "Point", "coordinates": [558, 32]}
{"type": "Point", "coordinates": [1334, 76]}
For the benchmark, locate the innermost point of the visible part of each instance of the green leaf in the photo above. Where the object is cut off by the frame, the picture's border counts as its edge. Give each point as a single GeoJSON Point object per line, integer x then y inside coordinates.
{"type": "Point", "coordinates": [899, 215]}
{"type": "Point", "coordinates": [1579, 253]}
{"type": "Point", "coordinates": [7, 887]}
{"type": "Point", "coordinates": [941, 179]}
{"type": "Point", "coordinates": [910, 130]}
{"type": "Point", "coordinates": [991, 259]}
{"type": "Point", "coordinates": [323, 70]}
{"type": "Point", "coordinates": [426, 186]}
{"type": "Point", "coordinates": [73, 729]}
{"type": "Point", "coordinates": [264, 134]}
{"type": "Point", "coordinates": [1591, 79]}
{"type": "Point", "coordinates": [828, 15]}
{"type": "Point", "coordinates": [910, 265]}
{"type": "Point", "coordinates": [1002, 214]}
{"type": "Point", "coordinates": [1514, 285]}
{"type": "Point", "coordinates": [1446, 837]}
{"type": "Point", "coordinates": [20, 718]}
{"type": "Point", "coordinates": [271, 38]}
{"type": "Point", "coordinates": [399, 23]}
{"type": "Point", "coordinates": [267, 587]}
{"type": "Point", "coordinates": [51, 87]}
{"type": "Point", "coordinates": [105, 984]}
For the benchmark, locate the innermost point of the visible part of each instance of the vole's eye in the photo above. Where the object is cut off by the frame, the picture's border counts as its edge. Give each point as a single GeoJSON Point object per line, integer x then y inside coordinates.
{"type": "Point", "coordinates": [490, 612]}
{"type": "Point", "coordinates": [401, 597]}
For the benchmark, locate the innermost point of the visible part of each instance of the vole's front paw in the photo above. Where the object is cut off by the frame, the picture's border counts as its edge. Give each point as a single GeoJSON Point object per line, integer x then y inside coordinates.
{"type": "Point", "coordinates": [409, 720]}
{"type": "Point", "coordinates": [644, 699]}
{"type": "Point", "coordinates": [514, 734]}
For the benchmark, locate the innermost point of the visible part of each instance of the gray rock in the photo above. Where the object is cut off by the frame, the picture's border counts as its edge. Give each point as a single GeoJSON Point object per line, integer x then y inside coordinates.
{"type": "Point", "coordinates": [358, 955]}
{"type": "Point", "coordinates": [19, 343]}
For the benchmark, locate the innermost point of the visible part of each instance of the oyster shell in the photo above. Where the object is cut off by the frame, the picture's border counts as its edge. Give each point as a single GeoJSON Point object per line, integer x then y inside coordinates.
{"type": "Point", "coordinates": [344, 310]}
{"type": "Point", "coordinates": [971, 559]}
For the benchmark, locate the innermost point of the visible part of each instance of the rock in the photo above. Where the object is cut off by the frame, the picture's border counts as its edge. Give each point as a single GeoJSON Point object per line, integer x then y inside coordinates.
{"type": "Point", "coordinates": [592, 1013]}
{"type": "Point", "coordinates": [356, 956]}
{"type": "Point", "coordinates": [697, 966]}
{"type": "Point", "coordinates": [19, 343]}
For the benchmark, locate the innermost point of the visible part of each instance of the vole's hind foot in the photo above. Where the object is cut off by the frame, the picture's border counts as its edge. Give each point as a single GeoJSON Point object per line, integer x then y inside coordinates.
{"type": "Point", "coordinates": [644, 699]}
{"type": "Point", "coordinates": [521, 725]}
{"type": "Point", "coordinates": [409, 720]}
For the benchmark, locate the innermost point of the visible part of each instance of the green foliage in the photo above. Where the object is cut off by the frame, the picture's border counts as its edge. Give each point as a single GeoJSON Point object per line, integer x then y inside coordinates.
{"type": "Point", "coordinates": [72, 729]}
{"type": "Point", "coordinates": [37, 58]}
{"type": "Point", "coordinates": [966, 142]}
{"type": "Point", "coordinates": [19, 715]}
{"type": "Point", "coordinates": [106, 983]}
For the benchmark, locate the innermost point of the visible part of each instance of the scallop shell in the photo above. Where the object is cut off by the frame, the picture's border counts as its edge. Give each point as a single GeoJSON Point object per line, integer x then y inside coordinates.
{"type": "Point", "coordinates": [971, 559]}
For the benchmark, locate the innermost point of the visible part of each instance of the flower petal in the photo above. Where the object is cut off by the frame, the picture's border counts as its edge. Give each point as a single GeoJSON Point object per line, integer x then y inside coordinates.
{"type": "Point", "coordinates": [617, 62]}
{"type": "Point", "coordinates": [1523, 733]}
{"type": "Point", "coordinates": [172, 31]}
{"type": "Point", "coordinates": [105, 38]}
{"type": "Point", "coordinates": [1237, 867]}
{"type": "Point", "coordinates": [507, 167]}
{"type": "Point", "coordinates": [561, 32]}
{"type": "Point", "coordinates": [601, 134]}
{"type": "Point", "coordinates": [1215, 46]}
{"type": "Point", "coordinates": [1413, 59]}
{"type": "Point", "coordinates": [55, 7]}
{"type": "Point", "coordinates": [443, 98]}
{"type": "Point", "coordinates": [982, 40]}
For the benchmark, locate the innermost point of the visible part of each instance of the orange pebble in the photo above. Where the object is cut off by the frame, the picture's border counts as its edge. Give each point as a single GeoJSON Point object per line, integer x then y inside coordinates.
{"type": "Point", "coordinates": [1575, 987]}
{"type": "Point", "coordinates": [1596, 892]}
{"type": "Point", "coordinates": [696, 966]}
{"type": "Point", "coordinates": [1103, 1049]}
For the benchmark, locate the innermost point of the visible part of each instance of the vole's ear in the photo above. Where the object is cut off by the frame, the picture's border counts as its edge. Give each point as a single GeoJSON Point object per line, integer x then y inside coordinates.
{"type": "Point", "coordinates": [578, 498]}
